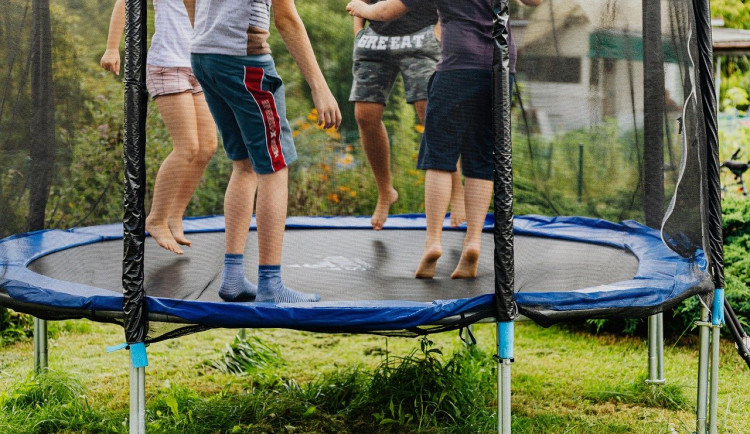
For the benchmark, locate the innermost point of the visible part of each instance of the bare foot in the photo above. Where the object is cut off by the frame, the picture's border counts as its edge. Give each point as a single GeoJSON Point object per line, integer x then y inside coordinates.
{"type": "Point", "coordinates": [380, 215]}
{"type": "Point", "coordinates": [426, 268]}
{"type": "Point", "coordinates": [458, 213]}
{"type": "Point", "coordinates": [467, 265]}
{"type": "Point", "coordinates": [163, 237]}
{"type": "Point", "coordinates": [175, 227]}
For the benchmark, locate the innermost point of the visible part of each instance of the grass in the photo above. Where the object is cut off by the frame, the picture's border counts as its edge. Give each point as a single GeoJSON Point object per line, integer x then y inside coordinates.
{"type": "Point", "coordinates": [563, 382]}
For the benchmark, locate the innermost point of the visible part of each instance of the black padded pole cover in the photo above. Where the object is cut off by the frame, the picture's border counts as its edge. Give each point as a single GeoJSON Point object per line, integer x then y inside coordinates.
{"type": "Point", "coordinates": [134, 218]}
{"type": "Point", "coordinates": [503, 173]}
{"type": "Point", "coordinates": [708, 102]}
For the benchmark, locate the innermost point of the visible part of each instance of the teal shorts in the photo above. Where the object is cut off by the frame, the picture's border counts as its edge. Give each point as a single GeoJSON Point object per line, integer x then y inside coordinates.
{"type": "Point", "coordinates": [246, 97]}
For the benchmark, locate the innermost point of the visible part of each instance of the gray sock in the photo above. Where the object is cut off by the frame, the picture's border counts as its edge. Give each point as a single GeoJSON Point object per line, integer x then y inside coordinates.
{"type": "Point", "coordinates": [270, 288]}
{"type": "Point", "coordinates": [234, 285]}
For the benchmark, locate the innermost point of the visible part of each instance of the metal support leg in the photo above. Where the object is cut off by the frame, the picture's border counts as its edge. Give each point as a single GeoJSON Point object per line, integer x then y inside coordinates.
{"type": "Point", "coordinates": [40, 345]}
{"type": "Point", "coordinates": [504, 361]}
{"type": "Point", "coordinates": [656, 349]}
{"type": "Point", "coordinates": [137, 400]}
{"type": "Point", "coordinates": [701, 408]}
{"type": "Point", "coordinates": [714, 381]}
{"type": "Point", "coordinates": [717, 319]}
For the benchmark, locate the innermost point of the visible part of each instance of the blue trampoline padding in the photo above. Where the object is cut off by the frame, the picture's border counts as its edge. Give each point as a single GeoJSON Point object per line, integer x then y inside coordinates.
{"type": "Point", "coordinates": [662, 276]}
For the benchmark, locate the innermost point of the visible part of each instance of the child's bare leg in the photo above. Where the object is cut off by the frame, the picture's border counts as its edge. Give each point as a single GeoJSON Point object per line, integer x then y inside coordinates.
{"type": "Point", "coordinates": [458, 213]}
{"type": "Point", "coordinates": [238, 212]}
{"type": "Point", "coordinates": [458, 209]}
{"type": "Point", "coordinates": [182, 129]}
{"type": "Point", "coordinates": [238, 205]}
{"type": "Point", "coordinates": [437, 193]}
{"type": "Point", "coordinates": [477, 196]}
{"type": "Point", "coordinates": [207, 142]}
{"type": "Point", "coordinates": [374, 138]}
{"type": "Point", "coordinates": [271, 221]}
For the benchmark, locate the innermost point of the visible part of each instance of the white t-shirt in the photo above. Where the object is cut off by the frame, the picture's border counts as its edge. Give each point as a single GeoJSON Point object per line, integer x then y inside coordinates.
{"type": "Point", "coordinates": [232, 27]}
{"type": "Point", "coordinates": [170, 44]}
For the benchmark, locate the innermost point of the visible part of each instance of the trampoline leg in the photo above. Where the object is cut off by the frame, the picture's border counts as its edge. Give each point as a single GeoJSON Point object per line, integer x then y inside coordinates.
{"type": "Point", "coordinates": [701, 408]}
{"type": "Point", "coordinates": [504, 361]}
{"type": "Point", "coordinates": [656, 349]}
{"type": "Point", "coordinates": [242, 334]}
{"type": "Point", "coordinates": [40, 345]}
{"type": "Point", "coordinates": [714, 382]}
{"type": "Point", "coordinates": [137, 400]}
{"type": "Point", "coordinates": [717, 318]}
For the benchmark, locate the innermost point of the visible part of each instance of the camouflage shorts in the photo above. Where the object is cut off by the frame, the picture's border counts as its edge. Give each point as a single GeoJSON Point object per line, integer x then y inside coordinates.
{"type": "Point", "coordinates": [378, 60]}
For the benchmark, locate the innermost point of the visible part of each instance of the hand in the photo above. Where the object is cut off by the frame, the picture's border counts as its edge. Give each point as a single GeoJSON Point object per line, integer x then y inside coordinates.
{"type": "Point", "coordinates": [356, 8]}
{"type": "Point", "coordinates": [329, 114]}
{"type": "Point", "coordinates": [111, 61]}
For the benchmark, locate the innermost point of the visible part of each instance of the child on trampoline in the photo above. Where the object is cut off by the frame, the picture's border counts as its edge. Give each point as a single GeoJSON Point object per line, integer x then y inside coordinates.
{"type": "Point", "coordinates": [231, 58]}
{"type": "Point", "coordinates": [179, 98]}
{"type": "Point", "coordinates": [408, 46]}
{"type": "Point", "coordinates": [458, 122]}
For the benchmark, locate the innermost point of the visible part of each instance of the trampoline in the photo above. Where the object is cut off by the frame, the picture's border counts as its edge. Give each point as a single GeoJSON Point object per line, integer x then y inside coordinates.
{"type": "Point", "coordinates": [594, 136]}
{"type": "Point", "coordinates": [365, 278]}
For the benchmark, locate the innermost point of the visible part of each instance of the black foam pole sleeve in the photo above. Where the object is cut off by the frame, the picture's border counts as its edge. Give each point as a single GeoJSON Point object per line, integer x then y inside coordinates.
{"type": "Point", "coordinates": [134, 218]}
{"type": "Point", "coordinates": [708, 103]}
{"type": "Point", "coordinates": [505, 306]}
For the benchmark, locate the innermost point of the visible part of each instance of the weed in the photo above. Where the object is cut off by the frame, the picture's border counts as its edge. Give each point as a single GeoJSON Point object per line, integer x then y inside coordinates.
{"type": "Point", "coordinates": [245, 355]}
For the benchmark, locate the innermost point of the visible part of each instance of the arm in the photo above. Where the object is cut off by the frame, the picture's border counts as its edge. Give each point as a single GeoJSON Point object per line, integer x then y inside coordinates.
{"type": "Point", "coordinates": [190, 6]}
{"type": "Point", "coordinates": [359, 24]}
{"type": "Point", "coordinates": [292, 31]}
{"type": "Point", "coordinates": [382, 11]}
{"type": "Point", "coordinates": [111, 58]}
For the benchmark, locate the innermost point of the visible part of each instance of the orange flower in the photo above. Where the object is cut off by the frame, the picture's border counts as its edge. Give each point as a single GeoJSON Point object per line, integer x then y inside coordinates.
{"type": "Point", "coordinates": [333, 197]}
{"type": "Point", "coordinates": [332, 133]}
{"type": "Point", "coordinates": [419, 128]}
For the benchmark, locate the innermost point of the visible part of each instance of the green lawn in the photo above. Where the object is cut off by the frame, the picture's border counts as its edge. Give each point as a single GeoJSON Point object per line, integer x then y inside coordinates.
{"type": "Point", "coordinates": [563, 382]}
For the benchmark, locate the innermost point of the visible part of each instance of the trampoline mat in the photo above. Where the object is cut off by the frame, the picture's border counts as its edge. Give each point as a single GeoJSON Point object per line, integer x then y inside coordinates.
{"type": "Point", "coordinates": [348, 265]}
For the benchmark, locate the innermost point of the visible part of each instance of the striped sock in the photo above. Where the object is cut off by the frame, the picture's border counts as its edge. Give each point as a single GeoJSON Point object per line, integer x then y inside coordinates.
{"type": "Point", "coordinates": [270, 288]}
{"type": "Point", "coordinates": [234, 285]}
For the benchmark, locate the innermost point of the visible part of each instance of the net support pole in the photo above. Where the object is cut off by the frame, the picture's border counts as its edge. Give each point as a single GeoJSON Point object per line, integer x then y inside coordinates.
{"type": "Point", "coordinates": [137, 400]}
{"type": "Point", "coordinates": [505, 307]}
{"type": "Point", "coordinates": [713, 223]}
{"type": "Point", "coordinates": [134, 215]}
{"type": "Point", "coordinates": [505, 331]}
{"type": "Point", "coordinates": [40, 346]}
{"type": "Point", "coordinates": [134, 163]}
{"type": "Point", "coordinates": [656, 349]}
{"type": "Point", "coordinates": [654, 102]}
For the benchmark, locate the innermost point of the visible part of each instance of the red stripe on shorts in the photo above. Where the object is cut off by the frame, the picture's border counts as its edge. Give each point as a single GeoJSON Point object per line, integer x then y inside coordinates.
{"type": "Point", "coordinates": [267, 106]}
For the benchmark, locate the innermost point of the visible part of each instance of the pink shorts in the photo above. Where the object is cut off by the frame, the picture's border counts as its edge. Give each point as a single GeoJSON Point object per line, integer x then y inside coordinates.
{"type": "Point", "coordinates": [166, 80]}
